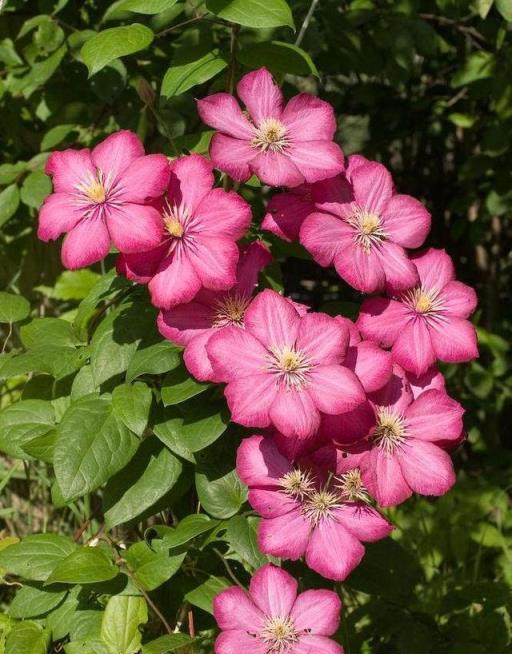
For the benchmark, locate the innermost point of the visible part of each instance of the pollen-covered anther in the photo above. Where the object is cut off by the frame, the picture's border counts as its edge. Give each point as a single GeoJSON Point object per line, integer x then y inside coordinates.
{"type": "Point", "coordinates": [94, 188]}
{"type": "Point", "coordinates": [270, 135]}
{"type": "Point", "coordinates": [425, 301]}
{"type": "Point", "coordinates": [297, 483]}
{"type": "Point", "coordinates": [279, 634]}
{"type": "Point", "coordinates": [390, 431]}
{"type": "Point", "coordinates": [174, 227]}
{"type": "Point", "coordinates": [291, 366]}
{"type": "Point", "coordinates": [351, 487]}
{"type": "Point", "coordinates": [230, 310]}
{"type": "Point", "coordinates": [368, 228]}
{"type": "Point", "coordinates": [320, 505]}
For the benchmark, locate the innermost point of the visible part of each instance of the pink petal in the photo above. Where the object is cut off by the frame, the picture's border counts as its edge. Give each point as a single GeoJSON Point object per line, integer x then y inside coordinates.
{"type": "Point", "coordinates": [308, 118]}
{"type": "Point", "coordinates": [317, 611]}
{"type": "Point", "coordinates": [261, 95]}
{"type": "Point", "coordinates": [363, 271]}
{"type": "Point", "coordinates": [382, 320]}
{"type": "Point", "coordinates": [382, 476]}
{"type": "Point", "coordinates": [427, 469]}
{"type": "Point", "coordinates": [333, 195]}
{"type": "Point", "coordinates": [323, 235]}
{"type": "Point", "coordinates": [232, 156]}
{"type": "Point", "coordinates": [252, 259]}
{"type": "Point", "coordinates": [134, 228]}
{"type": "Point", "coordinates": [273, 590]}
{"type": "Point", "coordinates": [454, 340]}
{"type": "Point", "coordinates": [459, 300]}
{"type": "Point", "coordinates": [294, 413]}
{"type": "Point", "coordinates": [221, 111]}
{"type": "Point", "coordinates": [196, 358]}
{"type": "Point", "coordinates": [399, 270]}
{"type": "Point", "coordinates": [354, 161]}
{"type": "Point", "coordinates": [274, 535]}
{"type": "Point", "coordinates": [435, 268]}
{"type": "Point", "coordinates": [145, 178]}
{"type": "Point", "coordinates": [309, 644]}
{"type": "Point", "coordinates": [316, 159]}
{"type": "Point", "coordinates": [287, 211]}
{"type": "Point", "coordinates": [432, 379]}
{"type": "Point", "coordinates": [413, 348]}
{"type": "Point", "coordinates": [222, 214]}
{"type": "Point", "coordinates": [322, 339]}
{"type": "Point", "coordinates": [396, 394]}
{"type": "Point", "coordinates": [434, 416]}
{"type": "Point", "coordinates": [259, 463]}
{"type": "Point", "coordinates": [58, 215]}
{"type": "Point", "coordinates": [352, 456]}
{"type": "Point", "coordinates": [373, 186]}
{"type": "Point", "coordinates": [363, 522]}
{"type": "Point", "coordinates": [272, 503]}
{"type": "Point", "coordinates": [350, 426]}
{"type": "Point", "coordinates": [333, 551]}
{"type": "Point", "coordinates": [113, 155]}
{"type": "Point", "coordinates": [175, 282]}
{"type": "Point", "coordinates": [372, 365]}
{"type": "Point", "coordinates": [335, 389]}
{"type": "Point", "coordinates": [214, 259]}
{"type": "Point", "coordinates": [272, 320]}
{"type": "Point", "coordinates": [143, 266]}
{"type": "Point", "coordinates": [235, 353]}
{"type": "Point", "coordinates": [70, 168]}
{"type": "Point", "coordinates": [355, 336]}
{"type": "Point", "coordinates": [191, 180]}
{"type": "Point", "coordinates": [186, 321]}
{"type": "Point", "coordinates": [276, 169]}
{"type": "Point", "coordinates": [234, 609]}
{"type": "Point", "coordinates": [87, 243]}
{"type": "Point", "coordinates": [406, 221]}
{"type": "Point", "coordinates": [235, 641]}
{"type": "Point", "coordinates": [250, 398]}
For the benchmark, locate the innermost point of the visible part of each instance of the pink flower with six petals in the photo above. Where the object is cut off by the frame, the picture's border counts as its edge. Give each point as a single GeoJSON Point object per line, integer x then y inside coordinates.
{"type": "Point", "coordinates": [282, 145]}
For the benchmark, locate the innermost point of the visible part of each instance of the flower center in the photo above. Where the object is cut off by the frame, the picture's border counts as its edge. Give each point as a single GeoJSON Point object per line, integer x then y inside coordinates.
{"type": "Point", "coordinates": [297, 483]}
{"type": "Point", "coordinates": [174, 227]}
{"type": "Point", "coordinates": [351, 486]}
{"type": "Point", "coordinates": [426, 302]}
{"type": "Point", "coordinates": [279, 634]}
{"type": "Point", "coordinates": [368, 228]}
{"type": "Point", "coordinates": [320, 505]}
{"type": "Point", "coordinates": [94, 188]}
{"type": "Point", "coordinates": [290, 365]}
{"type": "Point", "coordinates": [270, 135]}
{"type": "Point", "coordinates": [175, 218]}
{"type": "Point", "coordinates": [230, 310]}
{"type": "Point", "coordinates": [390, 431]}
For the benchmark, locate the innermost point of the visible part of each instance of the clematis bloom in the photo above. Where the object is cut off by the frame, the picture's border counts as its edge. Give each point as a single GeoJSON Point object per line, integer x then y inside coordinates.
{"type": "Point", "coordinates": [283, 369]}
{"type": "Point", "coordinates": [363, 228]}
{"type": "Point", "coordinates": [199, 229]}
{"type": "Point", "coordinates": [327, 517]}
{"type": "Point", "coordinates": [272, 619]}
{"type": "Point", "coordinates": [284, 145]}
{"type": "Point", "coordinates": [426, 322]}
{"type": "Point", "coordinates": [193, 324]}
{"type": "Point", "coordinates": [102, 196]}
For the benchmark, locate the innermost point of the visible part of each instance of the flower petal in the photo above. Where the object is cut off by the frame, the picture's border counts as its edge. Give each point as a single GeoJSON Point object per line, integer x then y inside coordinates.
{"type": "Point", "coordinates": [362, 270]}
{"type": "Point", "coordinates": [432, 379]}
{"type": "Point", "coordinates": [323, 235]}
{"type": "Point", "coordinates": [273, 320]}
{"type": "Point", "coordinates": [113, 155]}
{"type": "Point", "coordinates": [175, 282]}
{"type": "Point", "coordinates": [271, 503]}
{"type": "Point", "coordinates": [276, 169]}
{"type": "Point", "coordinates": [236, 641]}
{"type": "Point", "coordinates": [222, 214]}
{"type": "Point", "coordinates": [294, 413]}
{"type": "Point", "coordinates": [261, 95]}
{"type": "Point", "coordinates": [373, 186]}
{"type": "Point", "coordinates": [335, 389]}
{"type": "Point", "coordinates": [259, 463]}
{"type": "Point", "coordinates": [287, 211]}
{"type": "Point", "coordinates": [235, 353]}
{"type": "Point", "coordinates": [454, 340]}
{"type": "Point", "coordinates": [145, 178]}
{"type": "Point", "coordinates": [274, 535]}
{"type": "Point", "coordinates": [181, 324]}
{"type": "Point", "coordinates": [309, 644]}
{"type": "Point", "coordinates": [316, 160]}
{"type": "Point", "coordinates": [58, 215]}
{"type": "Point", "coordinates": [363, 521]}
{"type": "Point", "coordinates": [413, 348]}
{"type": "Point", "coordinates": [221, 111]}
{"type": "Point", "coordinates": [382, 476]}
{"type": "Point", "coordinates": [372, 365]}
{"type": "Point", "coordinates": [252, 259]}
{"type": "Point", "coordinates": [234, 609]}
{"type": "Point", "coordinates": [322, 339]}
{"type": "Point", "coordinates": [382, 320]}
{"type": "Point", "coordinates": [273, 590]}
{"type": "Point", "coordinates": [396, 395]}
{"type": "Point", "coordinates": [434, 416]}
{"type": "Point", "coordinates": [317, 611]}
{"type": "Point", "coordinates": [308, 118]}
{"type": "Point", "coordinates": [427, 468]}
{"type": "Point", "coordinates": [350, 426]}
{"type": "Point", "coordinates": [250, 398]}
{"type": "Point", "coordinates": [459, 300]}
{"type": "Point", "coordinates": [87, 243]}
{"type": "Point", "coordinates": [195, 356]}
{"type": "Point", "coordinates": [435, 268]}
{"type": "Point", "coordinates": [69, 169]}
{"type": "Point", "coordinates": [399, 270]}
{"type": "Point", "coordinates": [406, 221]}
{"type": "Point", "coordinates": [215, 260]}
{"type": "Point", "coordinates": [141, 267]}
{"type": "Point", "coordinates": [134, 228]}
{"type": "Point", "coordinates": [333, 551]}
{"type": "Point", "coordinates": [191, 179]}
{"type": "Point", "coordinates": [232, 156]}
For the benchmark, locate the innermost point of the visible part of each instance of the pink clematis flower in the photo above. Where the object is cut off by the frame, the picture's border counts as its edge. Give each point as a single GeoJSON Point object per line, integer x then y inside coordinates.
{"type": "Point", "coordinates": [328, 518]}
{"type": "Point", "coordinates": [283, 369]}
{"type": "Point", "coordinates": [287, 211]}
{"type": "Point", "coordinates": [282, 145]}
{"type": "Point", "coordinates": [199, 229]}
{"type": "Point", "coordinates": [364, 229]}
{"type": "Point", "coordinates": [403, 452]}
{"type": "Point", "coordinates": [272, 619]}
{"type": "Point", "coordinates": [427, 322]}
{"type": "Point", "coordinates": [102, 196]}
{"type": "Point", "coordinates": [193, 324]}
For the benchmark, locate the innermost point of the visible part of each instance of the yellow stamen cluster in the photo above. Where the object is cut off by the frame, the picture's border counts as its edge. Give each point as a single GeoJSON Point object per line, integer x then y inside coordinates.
{"type": "Point", "coordinates": [230, 310]}
{"type": "Point", "coordinates": [426, 302]}
{"type": "Point", "coordinates": [320, 504]}
{"type": "Point", "coordinates": [279, 634]}
{"type": "Point", "coordinates": [368, 228]}
{"type": "Point", "coordinates": [297, 483]}
{"type": "Point", "coordinates": [291, 366]}
{"type": "Point", "coordinates": [351, 486]}
{"type": "Point", "coordinates": [390, 431]}
{"type": "Point", "coordinates": [270, 135]}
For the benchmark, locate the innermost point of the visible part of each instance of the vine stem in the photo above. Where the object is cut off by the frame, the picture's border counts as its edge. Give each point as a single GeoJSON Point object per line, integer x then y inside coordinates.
{"type": "Point", "coordinates": [306, 22]}
{"type": "Point", "coordinates": [227, 182]}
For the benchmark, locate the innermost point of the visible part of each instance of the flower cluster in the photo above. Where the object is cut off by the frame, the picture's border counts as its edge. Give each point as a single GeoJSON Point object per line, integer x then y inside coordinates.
{"type": "Point", "coordinates": [349, 416]}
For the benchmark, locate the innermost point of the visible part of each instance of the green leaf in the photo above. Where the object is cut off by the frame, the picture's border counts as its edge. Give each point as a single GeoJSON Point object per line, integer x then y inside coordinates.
{"type": "Point", "coordinates": [120, 627]}
{"type": "Point", "coordinates": [241, 535]}
{"type": "Point", "coordinates": [253, 13]}
{"type": "Point", "coordinates": [75, 284]}
{"type": "Point", "coordinates": [278, 57]}
{"type": "Point", "coordinates": [60, 620]}
{"type": "Point", "coordinates": [479, 65]}
{"type": "Point", "coordinates": [42, 447]}
{"type": "Point", "coordinates": [153, 566]}
{"type": "Point", "coordinates": [31, 601]}
{"type": "Point", "coordinates": [484, 6]}
{"type": "Point", "coordinates": [220, 492]}
{"type": "Point", "coordinates": [112, 43]}
{"type": "Point", "coordinates": [131, 404]}
{"type": "Point", "coordinates": [505, 9]}
{"type": "Point", "coordinates": [146, 6]}
{"type": "Point", "coordinates": [183, 75]}
{"type": "Point", "coordinates": [11, 172]}
{"type": "Point", "coordinates": [36, 556]}
{"type": "Point", "coordinates": [48, 331]}
{"type": "Point", "coordinates": [198, 142]}
{"type": "Point", "coordinates": [13, 308]}
{"type": "Point", "coordinates": [27, 638]}
{"type": "Point", "coordinates": [167, 644]}
{"type": "Point", "coordinates": [188, 528]}
{"type": "Point", "coordinates": [203, 595]}
{"type": "Point", "coordinates": [148, 477]}
{"type": "Point", "coordinates": [86, 647]}
{"type": "Point", "coordinates": [39, 74]}
{"type": "Point", "coordinates": [93, 445]}
{"type": "Point", "coordinates": [179, 386]}
{"type": "Point", "coordinates": [462, 120]}
{"type": "Point", "coordinates": [9, 203]}
{"type": "Point", "coordinates": [35, 188]}
{"type": "Point", "coordinates": [23, 421]}
{"type": "Point", "coordinates": [53, 360]}
{"type": "Point", "coordinates": [487, 535]}
{"type": "Point", "coordinates": [56, 135]}
{"type": "Point", "coordinates": [154, 360]}
{"type": "Point", "coordinates": [86, 565]}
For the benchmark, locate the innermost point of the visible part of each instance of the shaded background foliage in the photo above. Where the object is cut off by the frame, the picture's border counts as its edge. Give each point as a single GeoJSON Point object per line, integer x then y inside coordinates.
{"type": "Point", "coordinates": [423, 86]}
